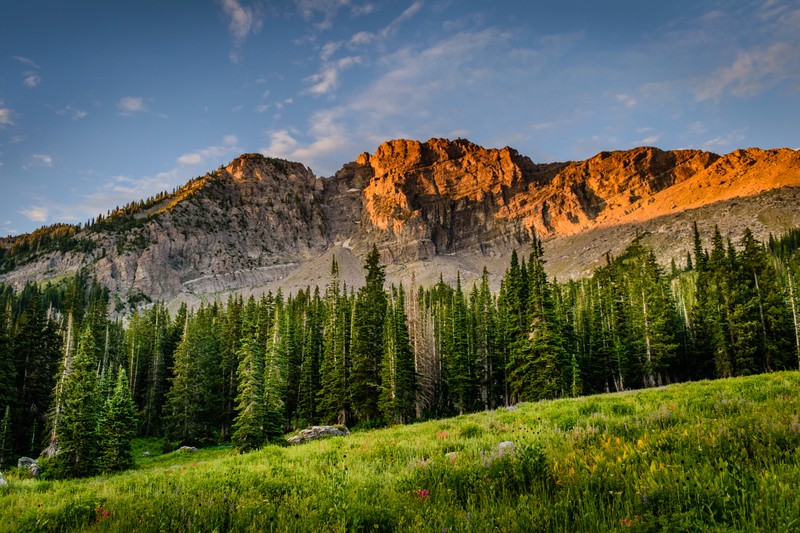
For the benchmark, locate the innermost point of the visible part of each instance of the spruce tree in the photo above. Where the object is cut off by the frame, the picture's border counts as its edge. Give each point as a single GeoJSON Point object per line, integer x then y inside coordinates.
{"type": "Point", "coordinates": [332, 401]}
{"type": "Point", "coordinates": [367, 341]}
{"type": "Point", "coordinates": [6, 439]}
{"type": "Point", "coordinates": [398, 377]}
{"type": "Point", "coordinates": [77, 438]}
{"type": "Point", "coordinates": [248, 427]}
{"type": "Point", "coordinates": [117, 428]}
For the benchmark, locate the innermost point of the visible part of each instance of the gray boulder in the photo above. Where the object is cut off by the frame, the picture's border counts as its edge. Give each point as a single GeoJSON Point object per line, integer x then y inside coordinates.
{"type": "Point", "coordinates": [506, 447]}
{"type": "Point", "coordinates": [317, 432]}
{"type": "Point", "coordinates": [35, 470]}
{"type": "Point", "coordinates": [25, 462]}
{"type": "Point", "coordinates": [187, 449]}
{"type": "Point", "coordinates": [3, 482]}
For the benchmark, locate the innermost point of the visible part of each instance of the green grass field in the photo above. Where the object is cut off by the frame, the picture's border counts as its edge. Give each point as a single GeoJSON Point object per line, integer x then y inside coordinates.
{"type": "Point", "coordinates": [710, 456]}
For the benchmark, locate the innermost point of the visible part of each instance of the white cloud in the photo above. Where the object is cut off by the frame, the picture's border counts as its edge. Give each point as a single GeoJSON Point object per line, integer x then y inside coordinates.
{"type": "Point", "coordinates": [626, 100]}
{"type": "Point", "coordinates": [363, 9]}
{"type": "Point", "coordinates": [36, 213]}
{"type": "Point", "coordinates": [361, 38]}
{"type": "Point", "coordinates": [327, 80]}
{"type": "Point", "coordinates": [32, 79]}
{"type": "Point", "coordinates": [130, 105]}
{"type": "Point", "coordinates": [243, 22]}
{"type": "Point", "coordinates": [329, 49]}
{"type": "Point", "coordinates": [26, 61]}
{"type": "Point", "coordinates": [412, 10]}
{"type": "Point", "coordinates": [725, 142]}
{"type": "Point", "coordinates": [5, 117]}
{"type": "Point", "coordinates": [752, 71]}
{"type": "Point", "coordinates": [329, 140]}
{"type": "Point", "coordinates": [43, 159]}
{"type": "Point", "coordinates": [211, 154]}
{"type": "Point", "coordinates": [74, 113]}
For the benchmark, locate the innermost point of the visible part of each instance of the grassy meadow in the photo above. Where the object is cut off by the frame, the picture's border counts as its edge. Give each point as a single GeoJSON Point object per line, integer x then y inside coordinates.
{"type": "Point", "coordinates": [708, 456]}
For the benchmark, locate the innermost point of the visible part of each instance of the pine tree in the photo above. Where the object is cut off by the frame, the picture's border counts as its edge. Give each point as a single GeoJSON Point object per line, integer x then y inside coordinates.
{"type": "Point", "coordinates": [248, 427]}
{"type": "Point", "coordinates": [367, 341]}
{"type": "Point", "coordinates": [535, 372]}
{"type": "Point", "coordinates": [398, 377]}
{"type": "Point", "coordinates": [460, 379]}
{"type": "Point", "coordinates": [77, 425]}
{"type": "Point", "coordinates": [488, 368]}
{"type": "Point", "coordinates": [193, 409]}
{"type": "Point", "coordinates": [278, 352]}
{"type": "Point", "coordinates": [6, 439]}
{"type": "Point", "coordinates": [117, 428]}
{"type": "Point", "coordinates": [333, 394]}
{"type": "Point", "coordinates": [312, 346]}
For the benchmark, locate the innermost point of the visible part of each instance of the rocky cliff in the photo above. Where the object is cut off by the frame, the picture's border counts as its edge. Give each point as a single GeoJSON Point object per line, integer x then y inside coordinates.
{"type": "Point", "coordinates": [260, 222]}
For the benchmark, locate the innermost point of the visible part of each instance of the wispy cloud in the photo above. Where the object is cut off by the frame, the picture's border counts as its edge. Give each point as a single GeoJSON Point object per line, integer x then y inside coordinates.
{"type": "Point", "coordinates": [5, 116]}
{"type": "Point", "coordinates": [626, 100]}
{"type": "Point", "coordinates": [751, 71]}
{"type": "Point", "coordinates": [327, 79]}
{"type": "Point", "coordinates": [412, 10]}
{"type": "Point", "coordinates": [328, 136]}
{"type": "Point", "coordinates": [243, 21]}
{"type": "Point", "coordinates": [35, 213]}
{"type": "Point", "coordinates": [26, 61]}
{"type": "Point", "coordinates": [211, 154]}
{"type": "Point", "coordinates": [45, 160]}
{"type": "Point", "coordinates": [72, 112]}
{"type": "Point", "coordinates": [726, 141]}
{"type": "Point", "coordinates": [130, 105]}
{"type": "Point", "coordinates": [32, 79]}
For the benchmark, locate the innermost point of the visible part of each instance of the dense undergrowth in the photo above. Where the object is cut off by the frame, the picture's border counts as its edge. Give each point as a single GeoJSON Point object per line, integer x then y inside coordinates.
{"type": "Point", "coordinates": [705, 456]}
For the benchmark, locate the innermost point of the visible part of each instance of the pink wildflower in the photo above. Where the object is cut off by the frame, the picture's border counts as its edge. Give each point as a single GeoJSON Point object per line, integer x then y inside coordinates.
{"type": "Point", "coordinates": [423, 493]}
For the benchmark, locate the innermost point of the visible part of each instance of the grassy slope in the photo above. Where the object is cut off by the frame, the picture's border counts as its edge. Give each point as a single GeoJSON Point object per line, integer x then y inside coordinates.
{"type": "Point", "coordinates": [722, 455]}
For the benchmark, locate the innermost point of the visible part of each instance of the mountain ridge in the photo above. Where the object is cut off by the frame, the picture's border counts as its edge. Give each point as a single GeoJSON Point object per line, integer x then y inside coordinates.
{"type": "Point", "coordinates": [253, 222]}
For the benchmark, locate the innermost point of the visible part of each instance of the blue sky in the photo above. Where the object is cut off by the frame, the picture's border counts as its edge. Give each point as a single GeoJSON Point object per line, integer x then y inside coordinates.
{"type": "Point", "coordinates": [104, 102]}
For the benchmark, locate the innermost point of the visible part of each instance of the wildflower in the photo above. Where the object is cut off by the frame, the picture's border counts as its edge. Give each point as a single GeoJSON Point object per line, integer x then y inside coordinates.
{"type": "Point", "coordinates": [443, 435]}
{"type": "Point", "coordinates": [626, 522]}
{"type": "Point", "coordinates": [423, 493]}
{"type": "Point", "coordinates": [452, 456]}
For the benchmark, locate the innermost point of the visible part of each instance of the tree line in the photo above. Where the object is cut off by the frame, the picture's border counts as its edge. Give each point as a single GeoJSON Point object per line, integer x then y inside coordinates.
{"type": "Point", "coordinates": [81, 385]}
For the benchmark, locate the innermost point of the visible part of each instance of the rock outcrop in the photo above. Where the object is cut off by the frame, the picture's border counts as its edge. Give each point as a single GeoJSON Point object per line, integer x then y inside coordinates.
{"type": "Point", "coordinates": [259, 221]}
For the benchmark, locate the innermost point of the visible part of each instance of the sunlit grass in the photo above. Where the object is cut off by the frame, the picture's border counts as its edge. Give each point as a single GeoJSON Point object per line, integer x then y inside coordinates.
{"type": "Point", "coordinates": [708, 456]}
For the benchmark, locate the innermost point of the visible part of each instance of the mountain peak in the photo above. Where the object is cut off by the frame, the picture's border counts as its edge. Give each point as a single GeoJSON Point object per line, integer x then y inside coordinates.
{"type": "Point", "coordinates": [258, 220]}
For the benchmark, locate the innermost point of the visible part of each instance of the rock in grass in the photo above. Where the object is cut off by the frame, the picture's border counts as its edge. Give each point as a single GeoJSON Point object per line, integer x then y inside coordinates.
{"type": "Point", "coordinates": [3, 482]}
{"type": "Point", "coordinates": [316, 432]}
{"type": "Point", "coordinates": [506, 447]}
{"type": "Point", "coordinates": [25, 462]}
{"type": "Point", "coordinates": [35, 470]}
{"type": "Point", "coordinates": [187, 449]}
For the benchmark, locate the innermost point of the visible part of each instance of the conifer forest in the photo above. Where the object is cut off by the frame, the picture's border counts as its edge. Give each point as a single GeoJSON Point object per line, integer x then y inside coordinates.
{"type": "Point", "coordinates": [77, 385]}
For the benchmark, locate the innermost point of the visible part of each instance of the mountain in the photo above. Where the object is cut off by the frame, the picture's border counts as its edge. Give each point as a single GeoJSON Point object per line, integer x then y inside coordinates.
{"type": "Point", "coordinates": [432, 208]}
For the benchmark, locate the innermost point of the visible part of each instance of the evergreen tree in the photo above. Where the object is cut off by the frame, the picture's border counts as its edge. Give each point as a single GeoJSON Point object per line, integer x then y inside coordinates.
{"type": "Point", "coordinates": [534, 365]}
{"type": "Point", "coordinates": [367, 341]}
{"type": "Point", "coordinates": [278, 352]}
{"type": "Point", "coordinates": [6, 439]}
{"type": "Point", "coordinates": [77, 438]}
{"type": "Point", "coordinates": [248, 427]}
{"type": "Point", "coordinates": [460, 379]}
{"type": "Point", "coordinates": [117, 428]}
{"type": "Point", "coordinates": [398, 377]}
{"type": "Point", "coordinates": [307, 410]}
{"type": "Point", "coordinates": [333, 395]}
{"type": "Point", "coordinates": [193, 405]}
